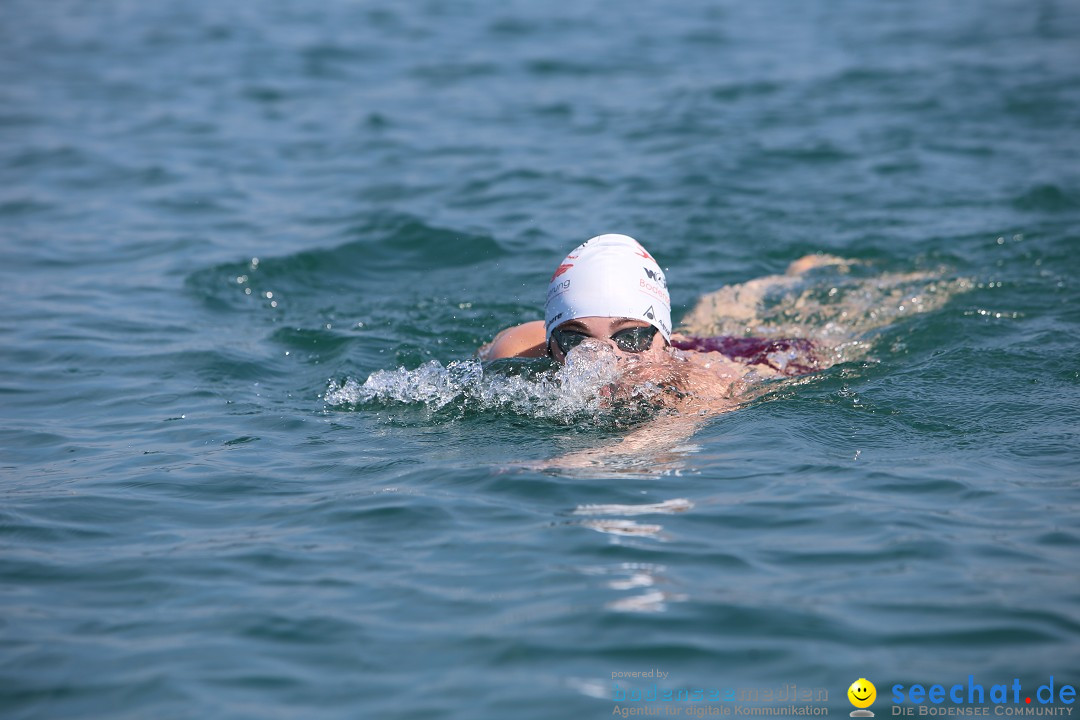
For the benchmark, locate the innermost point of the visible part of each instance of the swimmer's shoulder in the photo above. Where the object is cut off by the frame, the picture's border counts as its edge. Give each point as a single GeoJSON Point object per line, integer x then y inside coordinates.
{"type": "Point", "coordinates": [528, 340]}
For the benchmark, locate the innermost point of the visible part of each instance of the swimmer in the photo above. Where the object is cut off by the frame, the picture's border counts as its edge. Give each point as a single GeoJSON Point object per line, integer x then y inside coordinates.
{"type": "Point", "coordinates": [609, 294]}
{"type": "Point", "coordinates": [608, 299]}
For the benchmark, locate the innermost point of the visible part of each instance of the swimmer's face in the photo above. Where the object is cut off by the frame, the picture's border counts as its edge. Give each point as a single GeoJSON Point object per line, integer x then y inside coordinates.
{"type": "Point", "coordinates": [602, 330]}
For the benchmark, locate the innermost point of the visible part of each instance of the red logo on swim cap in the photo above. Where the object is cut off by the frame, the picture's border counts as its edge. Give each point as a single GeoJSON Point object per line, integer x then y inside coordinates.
{"type": "Point", "coordinates": [561, 269]}
{"type": "Point", "coordinates": [644, 253]}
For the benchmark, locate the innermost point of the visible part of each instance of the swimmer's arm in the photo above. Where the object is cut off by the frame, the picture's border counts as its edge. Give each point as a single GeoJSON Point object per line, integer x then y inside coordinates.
{"type": "Point", "coordinates": [809, 262]}
{"type": "Point", "coordinates": [527, 340]}
{"type": "Point", "coordinates": [657, 440]}
{"type": "Point", "coordinates": [740, 304]}
{"type": "Point", "coordinates": [660, 435]}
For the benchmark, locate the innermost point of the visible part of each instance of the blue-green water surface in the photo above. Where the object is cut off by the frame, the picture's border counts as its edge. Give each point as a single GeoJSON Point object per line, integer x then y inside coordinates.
{"type": "Point", "coordinates": [213, 213]}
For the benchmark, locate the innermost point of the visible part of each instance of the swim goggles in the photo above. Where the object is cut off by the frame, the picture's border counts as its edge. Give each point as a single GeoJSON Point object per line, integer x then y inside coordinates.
{"type": "Point", "coordinates": [633, 339]}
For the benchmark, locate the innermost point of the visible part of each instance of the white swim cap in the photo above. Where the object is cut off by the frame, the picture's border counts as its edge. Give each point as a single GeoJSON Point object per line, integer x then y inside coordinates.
{"type": "Point", "coordinates": [609, 276]}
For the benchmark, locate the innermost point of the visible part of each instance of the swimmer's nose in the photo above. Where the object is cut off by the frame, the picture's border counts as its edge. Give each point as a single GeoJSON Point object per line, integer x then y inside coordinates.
{"type": "Point", "coordinates": [601, 344]}
{"type": "Point", "coordinates": [597, 349]}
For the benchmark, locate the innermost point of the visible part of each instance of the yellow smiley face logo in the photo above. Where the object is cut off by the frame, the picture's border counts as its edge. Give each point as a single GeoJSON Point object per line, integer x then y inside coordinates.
{"type": "Point", "coordinates": [862, 693]}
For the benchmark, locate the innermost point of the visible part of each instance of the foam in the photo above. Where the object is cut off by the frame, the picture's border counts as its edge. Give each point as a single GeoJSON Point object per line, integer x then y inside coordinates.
{"type": "Point", "coordinates": [586, 386]}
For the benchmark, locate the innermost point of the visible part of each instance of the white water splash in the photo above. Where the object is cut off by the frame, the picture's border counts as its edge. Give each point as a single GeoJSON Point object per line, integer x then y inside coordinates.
{"type": "Point", "coordinates": [582, 386]}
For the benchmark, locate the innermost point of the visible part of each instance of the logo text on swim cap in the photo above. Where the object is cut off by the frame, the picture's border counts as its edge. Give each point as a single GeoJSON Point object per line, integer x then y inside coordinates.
{"type": "Point", "coordinates": [656, 291]}
{"type": "Point", "coordinates": [655, 275]}
{"type": "Point", "coordinates": [558, 289]}
{"type": "Point", "coordinates": [651, 314]}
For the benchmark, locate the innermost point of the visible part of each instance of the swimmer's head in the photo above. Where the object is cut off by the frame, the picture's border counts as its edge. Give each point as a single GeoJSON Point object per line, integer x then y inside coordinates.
{"type": "Point", "coordinates": [609, 276]}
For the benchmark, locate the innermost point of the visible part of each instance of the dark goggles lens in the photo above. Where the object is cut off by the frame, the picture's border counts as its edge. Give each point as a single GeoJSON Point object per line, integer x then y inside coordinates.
{"type": "Point", "coordinates": [635, 339]}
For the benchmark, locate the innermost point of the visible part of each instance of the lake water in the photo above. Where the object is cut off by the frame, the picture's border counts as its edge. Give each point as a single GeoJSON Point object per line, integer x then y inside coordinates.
{"type": "Point", "coordinates": [216, 216]}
